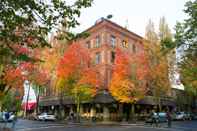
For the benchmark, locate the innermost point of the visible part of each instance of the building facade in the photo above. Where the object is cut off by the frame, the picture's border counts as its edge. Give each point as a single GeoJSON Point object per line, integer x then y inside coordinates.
{"type": "Point", "coordinates": [105, 37]}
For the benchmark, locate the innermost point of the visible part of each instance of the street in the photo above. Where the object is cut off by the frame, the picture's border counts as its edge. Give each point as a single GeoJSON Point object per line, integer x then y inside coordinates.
{"type": "Point", "coordinates": [28, 125]}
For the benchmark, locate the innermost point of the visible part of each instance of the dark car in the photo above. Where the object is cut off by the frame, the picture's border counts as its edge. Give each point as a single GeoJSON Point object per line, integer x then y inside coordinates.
{"type": "Point", "coordinates": [161, 117]}
{"type": "Point", "coordinates": [194, 116]}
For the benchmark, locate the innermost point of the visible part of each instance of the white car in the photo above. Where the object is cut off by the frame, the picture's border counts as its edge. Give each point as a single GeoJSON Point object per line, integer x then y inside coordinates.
{"type": "Point", "coordinates": [45, 117]}
{"type": "Point", "coordinates": [180, 116]}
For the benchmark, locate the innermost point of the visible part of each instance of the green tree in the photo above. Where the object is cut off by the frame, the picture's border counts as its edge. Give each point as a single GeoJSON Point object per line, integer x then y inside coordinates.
{"type": "Point", "coordinates": [10, 102]}
{"type": "Point", "coordinates": [185, 40]}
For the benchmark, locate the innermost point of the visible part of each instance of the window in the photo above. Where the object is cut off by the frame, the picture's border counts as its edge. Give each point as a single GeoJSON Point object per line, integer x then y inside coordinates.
{"type": "Point", "coordinates": [98, 58]}
{"type": "Point", "coordinates": [113, 54]}
{"type": "Point", "coordinates": [113, 41]}
{"type": "Point", "coordinates": [134, 48]}
{"type": "Point", "coordinates": [125, 44]}
{"type": "Point", "coordinates": [88, 44]}
{"type": "Point", "coordinates": [98, 41]}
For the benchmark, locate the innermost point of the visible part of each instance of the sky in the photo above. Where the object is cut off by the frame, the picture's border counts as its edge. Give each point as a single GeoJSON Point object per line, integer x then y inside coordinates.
{"type": "Point", "coordinates": [136, 12]}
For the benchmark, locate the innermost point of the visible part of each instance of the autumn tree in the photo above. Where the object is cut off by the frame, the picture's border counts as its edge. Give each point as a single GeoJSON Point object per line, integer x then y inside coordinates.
{"type": "Point", "coordinates": [161, 63]}
{"type": "Point", "coordinates": [25, 25]}
{"type": "Point", "coordinates": [76, 76]}
{"type": "Point", "coordinates": [164, 30]}
{"type": "Point", "coordinates": [128, 84]}
{"type": "Point", "coordinates": [150, 33]}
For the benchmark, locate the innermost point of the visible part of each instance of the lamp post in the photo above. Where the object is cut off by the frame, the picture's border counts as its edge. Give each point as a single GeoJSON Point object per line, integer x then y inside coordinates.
{"type": "Point", "coordinates": [27, 84]}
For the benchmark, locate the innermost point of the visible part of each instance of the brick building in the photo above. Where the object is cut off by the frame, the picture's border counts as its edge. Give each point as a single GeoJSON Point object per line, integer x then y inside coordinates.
{"type": "Point", "coordinates": [104, 37]}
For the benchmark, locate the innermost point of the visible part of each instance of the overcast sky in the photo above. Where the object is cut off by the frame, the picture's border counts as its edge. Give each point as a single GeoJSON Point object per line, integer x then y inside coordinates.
{"type": "Point", "coordinates": [137, 12]}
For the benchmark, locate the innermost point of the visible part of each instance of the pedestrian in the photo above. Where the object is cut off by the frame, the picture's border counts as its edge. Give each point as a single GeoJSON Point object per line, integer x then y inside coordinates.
{"type": "Point", "coordinates": [157, 119]}
{"type": "Point", "coordinates": [14, 120]}
{"type": "Point", "coordinates": [152, 116]}
{"type": "Point", "coordinates": [6, 118]}
{"type": "Point", "coordinates": [169, 118]}
{"type": "Point", "coordinates": [71, 116]}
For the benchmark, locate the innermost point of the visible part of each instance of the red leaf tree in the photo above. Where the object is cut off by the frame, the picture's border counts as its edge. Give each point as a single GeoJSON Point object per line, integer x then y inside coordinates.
{"type": "Point", "coordinates": [76, 76]}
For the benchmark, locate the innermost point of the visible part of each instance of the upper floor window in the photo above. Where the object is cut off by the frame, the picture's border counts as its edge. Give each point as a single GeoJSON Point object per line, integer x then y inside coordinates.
{"type": "Point", "coordinates": [97, 58]}
{"type": "Point", "coordinates": [125, 44]}
{"type": "Point", "coordinates": [113, 41]}
{"type": "Point", "coordinates": [113, 54]}
{"type": "Point", "coordinates": [134, 48]}
{"type": "Point", "coordinates": [88, 44]}
{"type": "Point", "coordinates": [98, 41]}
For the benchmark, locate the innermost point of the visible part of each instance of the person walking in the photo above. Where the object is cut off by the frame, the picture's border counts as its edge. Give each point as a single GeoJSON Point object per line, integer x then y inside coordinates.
{"type": "Point", "coordinates": [6, 118]}
{"type": "Point", "coordinates": [169, 118]}
{"type": "Point", "coordinates": [14, 120]}
{"type": "Point", "coordinates": [153, 117]}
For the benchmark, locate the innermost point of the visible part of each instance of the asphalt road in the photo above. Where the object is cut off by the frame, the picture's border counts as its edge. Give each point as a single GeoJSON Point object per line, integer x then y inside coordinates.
{"type": "Point", "coordinates": [27, 125]}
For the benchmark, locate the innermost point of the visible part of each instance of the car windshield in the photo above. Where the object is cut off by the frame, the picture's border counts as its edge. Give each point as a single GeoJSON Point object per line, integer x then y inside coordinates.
{"type": "Point", "coordinates": [162, 114]}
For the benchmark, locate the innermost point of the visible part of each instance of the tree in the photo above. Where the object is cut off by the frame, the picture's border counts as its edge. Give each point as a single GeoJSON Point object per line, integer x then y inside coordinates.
{"type": "Point", "coordinates": [76, 75]}
{"type": "Point", "coordinates": [129, 76]}
{"type": "Point", "coordinates": [161, 60]}
{"type": "Point", "coordinates": [150, 33]}
{"type": "Point", "coordinates": [37, 18]}
{"type": "Point", "coordinates": [164, 30]}
{"type": "Point", "coordinates": [25, 25]}
{"type": "Point", "coordinates": [185, 41]}
{"type": "Point", "coordinates": [185, 38]}
{"type": "Point", "coordinates": [159, 73]}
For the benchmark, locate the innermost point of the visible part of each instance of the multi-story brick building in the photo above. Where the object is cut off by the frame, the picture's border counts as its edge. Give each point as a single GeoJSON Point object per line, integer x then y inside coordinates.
{"type": "Point", "coordinates": [105, 36]}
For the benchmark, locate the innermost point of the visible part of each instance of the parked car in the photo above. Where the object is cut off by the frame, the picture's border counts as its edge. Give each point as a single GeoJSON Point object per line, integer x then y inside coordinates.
{"type": "Point", "coordinates": [11, 117]}
{"type": "Point", "coordinates": [188, 116]}
{"type": "Point", "coordinates": [180, 116]}
{"type": "Point", "coordinates": [194, 116]}
{"type": "Point", "coordinates": [45, 116]}
{"type": "Point", "coordinates": [161, 116]}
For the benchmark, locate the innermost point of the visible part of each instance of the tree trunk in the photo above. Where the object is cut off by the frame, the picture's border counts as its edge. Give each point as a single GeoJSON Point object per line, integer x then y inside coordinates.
{"type": "Point", "coordinates": [132, 111]}
{"type": "Point", "coordinates": [61, 105]}
{"type": "Point", "coordinates": [78, 109]}
{"type": "Point", "coordinates": [1, 106]}
{"type": "Point", "coordinates": [120, 111]}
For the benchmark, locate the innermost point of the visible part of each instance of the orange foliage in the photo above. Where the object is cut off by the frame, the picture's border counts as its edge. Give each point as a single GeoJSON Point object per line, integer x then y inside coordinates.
{"type": "Point", "coordinates": [13, 77]}
{"type": "Point", "coordinates": [75, 64]}
{"type": "Point", "coordinates": [129, 77]}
